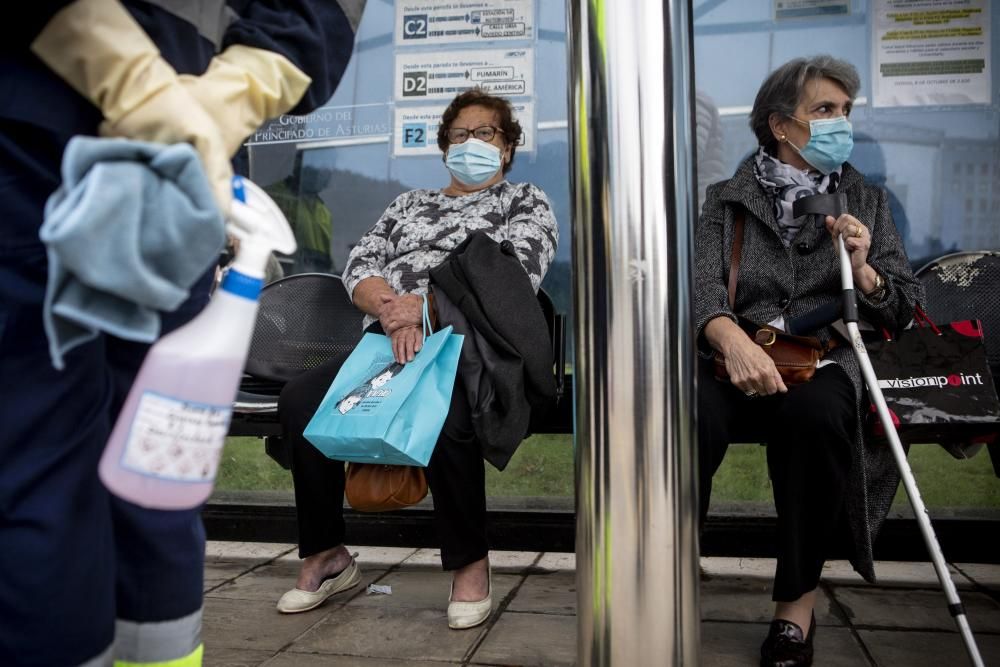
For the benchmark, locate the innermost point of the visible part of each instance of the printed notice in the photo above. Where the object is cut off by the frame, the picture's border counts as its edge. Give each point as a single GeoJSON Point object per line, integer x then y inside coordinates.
{"type": "Point", "coordinates": [930, 52]}
{"type": "Point", "coordinates": [176, 440]}
{"type": "Point", "coordinates": [417, 127]}
{"type": "Point", "coordinates": [432, 76]}
{"type": "Point", "coordinates": [803, 9]}
{"type": "Point", "coordinates": [421, 22]}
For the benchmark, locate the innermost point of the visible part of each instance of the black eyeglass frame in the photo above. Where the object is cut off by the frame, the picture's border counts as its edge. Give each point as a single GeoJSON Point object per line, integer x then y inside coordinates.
{"type": "Point", "coordinates": [472, 133]}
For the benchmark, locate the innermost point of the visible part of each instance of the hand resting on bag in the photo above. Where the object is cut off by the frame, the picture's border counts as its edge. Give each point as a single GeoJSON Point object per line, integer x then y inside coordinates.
{"type": "Point", "coordinates": [750, 368]}
{"type": "Point", "coordinates": [406, 342]}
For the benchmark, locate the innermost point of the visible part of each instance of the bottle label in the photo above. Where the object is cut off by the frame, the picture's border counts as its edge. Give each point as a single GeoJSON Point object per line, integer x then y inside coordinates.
{"type": "Point", "coordinates": [176, 440]}
{"type": "Point", "coordinates": [242, 285]}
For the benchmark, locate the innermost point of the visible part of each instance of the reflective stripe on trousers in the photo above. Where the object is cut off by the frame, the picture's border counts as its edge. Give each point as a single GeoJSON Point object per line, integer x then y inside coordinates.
{"type": "Point", "coordinates": [174, 643]}
{"type": "Point", "coordinates": [193, 659]}
{"type": "Point", "coordinates": [169, 643]}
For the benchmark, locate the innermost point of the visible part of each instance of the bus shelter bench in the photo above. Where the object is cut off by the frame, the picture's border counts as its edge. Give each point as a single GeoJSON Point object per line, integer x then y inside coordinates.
{"type": "Point", "coordinates": [294, 332]}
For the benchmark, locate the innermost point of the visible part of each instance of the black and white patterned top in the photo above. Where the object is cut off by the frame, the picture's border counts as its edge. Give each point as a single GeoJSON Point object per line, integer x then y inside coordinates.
{"type": "Point", "coordinates": [421, 227]}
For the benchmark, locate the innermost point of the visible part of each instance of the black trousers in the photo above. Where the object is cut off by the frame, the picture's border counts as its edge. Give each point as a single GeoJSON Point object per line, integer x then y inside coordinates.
{"type": "Point", "coordinates": [456, 475]}
{"type": "Point", "coordinates": [809, 433]}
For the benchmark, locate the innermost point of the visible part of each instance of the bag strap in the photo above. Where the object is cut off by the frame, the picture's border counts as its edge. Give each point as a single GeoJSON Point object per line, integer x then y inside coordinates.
{"type": "Point", "coordinates": [739, 222]}
{"type": "Point", "coordinates": [921, 317]}
{"type": "Point", "coordinates": [428, 329]}
{"type": "Point", "coordinates": [734, 259]}
{"type": "Point", "coordinates": [920, 320]}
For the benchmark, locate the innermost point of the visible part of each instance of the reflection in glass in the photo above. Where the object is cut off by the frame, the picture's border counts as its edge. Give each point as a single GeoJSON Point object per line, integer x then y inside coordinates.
{"type": "Point", "coordinates": [298, 196]}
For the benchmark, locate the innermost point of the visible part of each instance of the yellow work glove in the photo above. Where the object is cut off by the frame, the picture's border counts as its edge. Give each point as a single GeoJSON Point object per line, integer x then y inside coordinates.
{"type": "Point", "coordinates": [245, 86]}
{"type": "Point", "coordinates": [98, 49]}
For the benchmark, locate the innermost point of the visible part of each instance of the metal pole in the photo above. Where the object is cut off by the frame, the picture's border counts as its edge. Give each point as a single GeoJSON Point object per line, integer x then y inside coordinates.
{"type": "Point", "coordinates": [633, 190]}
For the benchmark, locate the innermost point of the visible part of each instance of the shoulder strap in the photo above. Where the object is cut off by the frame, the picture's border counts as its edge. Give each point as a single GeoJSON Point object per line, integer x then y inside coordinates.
{"type": "Point", "coordinates": [734, 260]}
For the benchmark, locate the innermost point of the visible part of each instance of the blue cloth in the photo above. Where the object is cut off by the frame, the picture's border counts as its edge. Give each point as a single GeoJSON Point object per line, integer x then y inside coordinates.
{"type": "Point", "coordinates": [130, 229]}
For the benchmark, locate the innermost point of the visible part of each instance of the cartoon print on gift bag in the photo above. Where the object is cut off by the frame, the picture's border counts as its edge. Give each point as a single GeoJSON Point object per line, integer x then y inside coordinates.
{"type": "Point", "coordinates": [348, 403]}
{"type": "Point", "coordinates": [387, 373]}
{"type": "Point", "coordinates": [377, 381]}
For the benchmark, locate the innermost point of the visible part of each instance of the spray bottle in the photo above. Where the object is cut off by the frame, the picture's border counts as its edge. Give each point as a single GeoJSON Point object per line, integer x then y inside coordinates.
{"type": "Point", "coordinates": [164, 450]}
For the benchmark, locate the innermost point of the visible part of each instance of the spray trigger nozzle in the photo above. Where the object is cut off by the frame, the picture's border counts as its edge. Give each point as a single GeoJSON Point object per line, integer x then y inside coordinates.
{"type": "Point", "coordinates": [255, 218]}
{"type": "Point", "coordinates": [239, 192]}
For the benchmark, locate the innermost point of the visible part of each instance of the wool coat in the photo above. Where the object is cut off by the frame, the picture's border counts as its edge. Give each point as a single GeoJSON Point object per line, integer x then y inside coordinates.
{"type": "Point", "coordinates": [775, 280]}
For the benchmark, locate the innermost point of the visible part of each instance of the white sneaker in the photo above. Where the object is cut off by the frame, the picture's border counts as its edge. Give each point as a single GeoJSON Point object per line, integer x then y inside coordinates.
{"type": "Point", "coordinates": [298, 600]}
{"type": "Point", "coordinates": [463, 615]}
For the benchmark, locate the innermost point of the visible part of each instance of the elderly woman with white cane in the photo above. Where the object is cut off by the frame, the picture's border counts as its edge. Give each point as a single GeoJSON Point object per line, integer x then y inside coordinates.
{"type": "Point", "coordinates": [760, 266]}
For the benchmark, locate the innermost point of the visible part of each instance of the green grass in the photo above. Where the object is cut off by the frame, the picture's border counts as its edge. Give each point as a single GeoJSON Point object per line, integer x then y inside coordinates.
{"type": "Point", "coordinates": [943, 481]}
{"type": "Point", "coordinates": [245, 467]}
{"type": "Point", "coordinates": [948, 482]}
{"type": "Point", "coordinates": [543, 466]}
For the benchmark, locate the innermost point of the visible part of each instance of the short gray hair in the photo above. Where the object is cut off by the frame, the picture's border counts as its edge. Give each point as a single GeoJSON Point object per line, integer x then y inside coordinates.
{"type": "Point", "coordinates": [782, 89]}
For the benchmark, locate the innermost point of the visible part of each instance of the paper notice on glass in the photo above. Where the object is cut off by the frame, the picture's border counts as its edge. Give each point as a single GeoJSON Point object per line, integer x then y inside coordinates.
{"type": "Point", "coordinates": [930, 52]}
{"type": "Point", "coordinates": [807, 9]}
{"type": "Point", "coordinates": [443, 74]}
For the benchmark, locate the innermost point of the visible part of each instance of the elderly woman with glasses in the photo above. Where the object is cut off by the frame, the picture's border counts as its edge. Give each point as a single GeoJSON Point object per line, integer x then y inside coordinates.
{"type": "Point", "coordinates": [823, 473]}
{"type": "Point", "coordinates": [387, 277]}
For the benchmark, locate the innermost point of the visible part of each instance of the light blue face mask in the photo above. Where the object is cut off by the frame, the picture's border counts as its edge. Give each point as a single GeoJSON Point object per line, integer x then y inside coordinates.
{"type": "Point", "coordinates": [830, 143]}
{"type": "Point", "coordinates": [473, 162]}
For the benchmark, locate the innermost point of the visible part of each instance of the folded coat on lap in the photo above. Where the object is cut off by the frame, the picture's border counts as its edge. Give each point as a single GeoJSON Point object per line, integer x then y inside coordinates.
{"type": "Point", "coordinates": [506, 365]}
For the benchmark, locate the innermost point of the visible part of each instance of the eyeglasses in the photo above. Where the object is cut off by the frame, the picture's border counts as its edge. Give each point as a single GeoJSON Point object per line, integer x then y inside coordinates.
{"type": "Point", "coordinates": [458, 135]}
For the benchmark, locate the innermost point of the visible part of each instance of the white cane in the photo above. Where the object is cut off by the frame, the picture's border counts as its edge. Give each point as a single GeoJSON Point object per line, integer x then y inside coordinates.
{"type": "Point", "coordinates": [835, 205]}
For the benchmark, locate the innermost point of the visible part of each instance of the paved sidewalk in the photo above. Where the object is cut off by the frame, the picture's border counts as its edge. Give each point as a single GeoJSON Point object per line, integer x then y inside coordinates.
{"type": "Point", "coordinates": [902, 621]}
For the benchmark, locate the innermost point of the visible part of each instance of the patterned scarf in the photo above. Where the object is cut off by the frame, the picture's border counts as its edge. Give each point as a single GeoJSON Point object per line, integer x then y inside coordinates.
{"type": "Point", "coordinates": [784, 184]}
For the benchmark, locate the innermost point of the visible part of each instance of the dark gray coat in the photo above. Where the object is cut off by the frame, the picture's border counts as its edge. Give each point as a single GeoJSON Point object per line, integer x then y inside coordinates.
{"type": "Point", "coordinates": [483, 291]}
{"type": "Point", "coordinates": [774, 280]}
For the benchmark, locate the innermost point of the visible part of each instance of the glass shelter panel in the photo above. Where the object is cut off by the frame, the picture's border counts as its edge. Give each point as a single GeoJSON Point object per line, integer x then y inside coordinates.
{"type": "Point", "coordinates": [335, 171]}
{"type": "Point", "coordinates": [926, 128]}
{"type": "Point", "coordinates": [940, 162]}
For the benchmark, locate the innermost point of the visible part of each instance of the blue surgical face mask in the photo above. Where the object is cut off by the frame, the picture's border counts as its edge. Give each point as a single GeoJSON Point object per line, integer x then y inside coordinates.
{"type": "Point", "coordinates": [473, 162]}
{"type": "Point", "coordinates": [830, 143]}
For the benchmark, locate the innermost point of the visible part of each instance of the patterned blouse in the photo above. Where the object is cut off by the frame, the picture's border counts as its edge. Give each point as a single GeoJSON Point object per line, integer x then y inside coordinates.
{"type": "Point", "coordinates": [421, 227]}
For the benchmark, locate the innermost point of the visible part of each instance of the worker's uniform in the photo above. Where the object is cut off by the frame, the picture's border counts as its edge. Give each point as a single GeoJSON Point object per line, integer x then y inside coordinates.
{"type": "Point", "coordinates": [74, 558]}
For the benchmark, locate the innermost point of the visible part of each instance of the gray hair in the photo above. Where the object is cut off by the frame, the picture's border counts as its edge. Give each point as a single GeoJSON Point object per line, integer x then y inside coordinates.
{"type": "Point", "coordinates": [782, 89]}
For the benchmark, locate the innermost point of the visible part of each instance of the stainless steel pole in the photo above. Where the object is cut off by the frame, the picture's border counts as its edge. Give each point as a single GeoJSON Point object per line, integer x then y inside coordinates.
{"type": "Point", "coordinates": [634, 200]}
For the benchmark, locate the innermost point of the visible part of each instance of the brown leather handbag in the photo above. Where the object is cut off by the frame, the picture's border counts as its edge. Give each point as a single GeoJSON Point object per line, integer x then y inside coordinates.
{"type": "Point", "coordinates": [795, 357]}
{"type": "Point", "coordinates": [375, 487]}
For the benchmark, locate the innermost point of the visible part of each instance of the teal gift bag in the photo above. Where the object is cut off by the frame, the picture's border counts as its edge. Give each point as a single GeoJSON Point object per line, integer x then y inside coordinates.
{"type": "Point", "coordinates": [380, 411]}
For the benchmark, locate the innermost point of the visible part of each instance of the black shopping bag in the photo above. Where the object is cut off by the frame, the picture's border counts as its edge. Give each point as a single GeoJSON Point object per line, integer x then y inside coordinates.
{"type": "Point", "coordinates": [937, 385]}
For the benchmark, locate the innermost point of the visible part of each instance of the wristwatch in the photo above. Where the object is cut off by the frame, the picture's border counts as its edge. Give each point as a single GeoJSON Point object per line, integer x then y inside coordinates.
{"type": "Point", "coordinates": [878, 292]}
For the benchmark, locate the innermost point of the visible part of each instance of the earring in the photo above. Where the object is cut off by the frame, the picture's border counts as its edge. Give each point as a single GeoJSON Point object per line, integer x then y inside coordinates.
{"type": "Point", "coordinates": [781, 138]}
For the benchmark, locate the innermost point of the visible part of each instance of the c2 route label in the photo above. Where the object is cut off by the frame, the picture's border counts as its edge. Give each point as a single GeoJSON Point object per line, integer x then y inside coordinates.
{"type": "Point", "coordinates": [430, 22]}
{"type": "Point", "coordinates": [429, 76]}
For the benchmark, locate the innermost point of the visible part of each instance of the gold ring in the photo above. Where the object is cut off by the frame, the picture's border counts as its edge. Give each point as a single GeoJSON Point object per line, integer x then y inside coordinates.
{"type": "Point", "coordinates": [857, 231]}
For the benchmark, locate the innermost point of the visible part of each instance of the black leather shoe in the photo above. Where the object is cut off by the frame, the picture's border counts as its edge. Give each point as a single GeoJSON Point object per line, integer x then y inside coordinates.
{"type": "Point", "coordinates": [785, 646]}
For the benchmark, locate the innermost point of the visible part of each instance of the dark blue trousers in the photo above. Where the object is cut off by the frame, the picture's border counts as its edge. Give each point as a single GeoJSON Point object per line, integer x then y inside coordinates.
{"type": "Point", "coordinates": [72, 556]}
